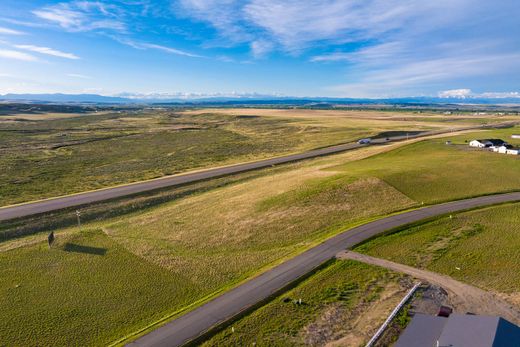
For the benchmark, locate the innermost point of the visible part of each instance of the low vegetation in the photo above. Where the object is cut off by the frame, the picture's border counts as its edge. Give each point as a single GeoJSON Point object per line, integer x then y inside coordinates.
{"type": "Point", "coordinates": [478, 247]}
{"type": "Point", "coordinates": [49, 154]}
{"type": "Point", "coordinates": [431, 171]}
{"type": "Point", "coordinates": [85, 290]}
{"type": "Point", "coordinates": [199, 242]}
{"type": "Point", "coordinates": [345, 302]}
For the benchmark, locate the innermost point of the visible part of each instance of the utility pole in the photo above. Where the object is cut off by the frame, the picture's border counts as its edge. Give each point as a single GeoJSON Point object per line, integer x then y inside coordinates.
{"type": "Point", "coordinates": [78, 214]}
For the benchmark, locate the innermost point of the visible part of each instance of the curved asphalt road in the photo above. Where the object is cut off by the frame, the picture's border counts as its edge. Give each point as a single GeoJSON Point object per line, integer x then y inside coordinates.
{"type": "Point", "coordinates": [32, 208]}
{"type": "Point", "coordinates": [195, 323]}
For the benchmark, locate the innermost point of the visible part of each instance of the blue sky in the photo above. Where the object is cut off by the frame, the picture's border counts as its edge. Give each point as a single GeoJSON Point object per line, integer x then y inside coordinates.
{"type": "Point", "coordinates": [338, 48]}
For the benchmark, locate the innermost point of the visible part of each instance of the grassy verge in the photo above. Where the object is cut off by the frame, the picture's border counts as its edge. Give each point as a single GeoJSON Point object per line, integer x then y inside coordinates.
{"type": "Point", "coordinates": [332, 301]}
{"type": "Point", "coordinates": [477, 247]}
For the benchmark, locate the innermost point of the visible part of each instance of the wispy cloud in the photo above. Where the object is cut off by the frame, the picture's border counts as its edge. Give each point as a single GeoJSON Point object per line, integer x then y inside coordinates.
{"type": "Point", "coordinates": [11, 54]}
{"type": "Point", "coordinates": [466, 93]}
{"type": "Point", "coordinates": [77, 75]}
{"type": "Point", "coordinates": [84, 16]}
{"type": "Point", "coordinates": [147, 45]}
{"type": "Point", "coordinates": [7, 31]}
{"type": "Point", "coordinates": [47, 51]}
{"type": "Point", "coordinates": [408, 77]}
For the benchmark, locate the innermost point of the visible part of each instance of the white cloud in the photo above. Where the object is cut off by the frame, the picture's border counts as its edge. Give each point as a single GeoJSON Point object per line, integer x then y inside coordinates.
{"type": "Point", "coordinates": [47, 51]}
{"type": "Point", "coordinates": [146, 45]}
{"type": "Point", "coordinates": [468, 93]}
{"type": "Point", "coordinates": [260, 48]}
{"type": "Point", "coordinates": [10, 54]}
{"type": "Point", "coordinates": [500, 95]}
{"type": "Point", "coordinates": [167, 49]}
{"type": "Point", "coordinates": [76, 75]}
{"type": "Point", "coordinates": [406, 77]}
{"type": "Point", "coordinates": [84, 16]}
{"type": "Point", "coordinates": [8, 31]}
{"type": "Point", "coordinates": [455, 93]}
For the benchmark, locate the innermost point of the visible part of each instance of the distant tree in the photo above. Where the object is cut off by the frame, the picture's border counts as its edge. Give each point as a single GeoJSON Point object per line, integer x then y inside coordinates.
{"type": "Point", "coordinates": [50, 238]}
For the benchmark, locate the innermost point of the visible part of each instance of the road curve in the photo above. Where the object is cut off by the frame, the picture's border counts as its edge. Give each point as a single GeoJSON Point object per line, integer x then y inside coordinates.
{"type": "Point", "coordinates": [54, 204]}
{"type": "Point", "coordinates": [196, 322]}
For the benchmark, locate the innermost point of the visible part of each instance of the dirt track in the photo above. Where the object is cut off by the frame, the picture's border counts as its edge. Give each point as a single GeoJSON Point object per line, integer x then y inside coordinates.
{"type": "Point", "coordinates": [463, 296]}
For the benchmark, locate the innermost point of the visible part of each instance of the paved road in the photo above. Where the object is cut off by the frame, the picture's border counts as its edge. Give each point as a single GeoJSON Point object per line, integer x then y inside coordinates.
{"type": "Point", "coordinates": [464, 297]}
{"type": "Point", "coordinates": [228, 305]}
{"type": "Point", "coordinates": [32, 208]}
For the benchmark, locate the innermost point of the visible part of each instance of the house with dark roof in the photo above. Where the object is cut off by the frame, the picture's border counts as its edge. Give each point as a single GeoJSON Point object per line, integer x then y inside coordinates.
{"type": "Point", "coordinates": [487, 143]}
{"type": "Point", "coordinates": [459, 330]}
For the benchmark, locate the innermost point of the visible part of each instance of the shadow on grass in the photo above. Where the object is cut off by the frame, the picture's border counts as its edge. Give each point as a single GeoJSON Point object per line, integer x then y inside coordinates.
{"type": "Point", "coordinates": [72, 247]}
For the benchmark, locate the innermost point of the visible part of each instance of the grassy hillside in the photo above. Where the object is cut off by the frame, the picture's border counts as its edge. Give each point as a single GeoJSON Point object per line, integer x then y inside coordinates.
{"type": "Point", "coordinates": [87, 290]}
{"type": "Point", "coordinates": [478, 247]}
{"type": "Point", "coordinates": [431, 171]}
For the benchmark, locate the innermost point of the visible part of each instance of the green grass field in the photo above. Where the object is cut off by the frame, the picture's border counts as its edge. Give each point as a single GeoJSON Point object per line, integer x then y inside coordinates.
{"type": "Point", "coordinates": [87, 290]}
{"type": "Point", "coordinates": [46, 155]}
{"type": "Point", "coordinates": [333, 300]}
{"type": "Point", "coordinates": [478, 247]}
{"type": "Point", "coordinates": [431, 171]}
{"type": "Point", "coordinates": [207, 241]}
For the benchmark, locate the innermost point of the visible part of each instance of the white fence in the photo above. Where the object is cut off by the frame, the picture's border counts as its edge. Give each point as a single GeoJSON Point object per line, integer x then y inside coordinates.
{"type": "Point", "coordinates": [380, 331]}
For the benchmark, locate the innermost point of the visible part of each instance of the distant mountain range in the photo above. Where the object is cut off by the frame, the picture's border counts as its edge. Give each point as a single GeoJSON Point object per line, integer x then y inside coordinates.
{"type": "Point", "coordinates": [250, 99]}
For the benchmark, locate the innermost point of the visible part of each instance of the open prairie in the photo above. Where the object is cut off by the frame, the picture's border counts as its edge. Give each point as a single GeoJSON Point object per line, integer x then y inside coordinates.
{"type": "Point", "coordinates": [209, 241]}
{"type": "Point", "coordinates": [49, 154]}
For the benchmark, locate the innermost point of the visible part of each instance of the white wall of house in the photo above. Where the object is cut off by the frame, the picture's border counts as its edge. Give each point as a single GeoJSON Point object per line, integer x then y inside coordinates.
{"type": "Point", "coordinates": [476, 143]}
{"type": "Point", "coordinates": [502, 149]}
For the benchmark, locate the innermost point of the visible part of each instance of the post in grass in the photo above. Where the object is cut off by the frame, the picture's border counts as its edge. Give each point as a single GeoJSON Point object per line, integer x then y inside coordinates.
{"type": "Point", "coordinates": [50, 239]}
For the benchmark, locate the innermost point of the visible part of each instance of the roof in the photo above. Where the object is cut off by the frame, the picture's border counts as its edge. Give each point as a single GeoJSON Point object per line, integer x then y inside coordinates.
{"type": "Point", "coordinates": [423, 330]}
{"type": "Point", "coordinates": [479, 331]}
{"type": "Point", "coordinates": [460, 331]}
{"type": "Point", "coordinates": [493, 142]}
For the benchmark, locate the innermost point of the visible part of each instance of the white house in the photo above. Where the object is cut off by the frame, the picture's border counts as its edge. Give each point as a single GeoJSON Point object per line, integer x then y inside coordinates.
{"type": "Point", "coordinates": [487, 143]}
{"type": "Point", "coordinates": [477, 144]}
{"type": "Point", "coordinates": [508, 149]}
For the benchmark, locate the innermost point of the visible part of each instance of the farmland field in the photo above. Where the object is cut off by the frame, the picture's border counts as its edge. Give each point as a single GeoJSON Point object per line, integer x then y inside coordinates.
{"type": "Point", "coordinates": [49, 154]}
{"type": "Point", "coordinates": [202, 243]}
{"type": "Point", "coordinates": [478, 247]}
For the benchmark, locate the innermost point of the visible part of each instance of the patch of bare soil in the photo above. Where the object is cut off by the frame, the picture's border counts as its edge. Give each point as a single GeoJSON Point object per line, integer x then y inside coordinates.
{"type": "Point", "coordinates": [339, 326]}
{"type": "Point", "coordinates": [463, 297]}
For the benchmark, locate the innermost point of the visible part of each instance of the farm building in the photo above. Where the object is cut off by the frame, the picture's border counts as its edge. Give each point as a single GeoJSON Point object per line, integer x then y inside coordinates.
{"type": "Point", "coordinates": [487, 143]}
{"type": "Point", "coordinates": [461, 330]}
{"type": "Point", "coordinates": [506, 149]}
{"type": "Point", "coordinates": [515, 136]}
